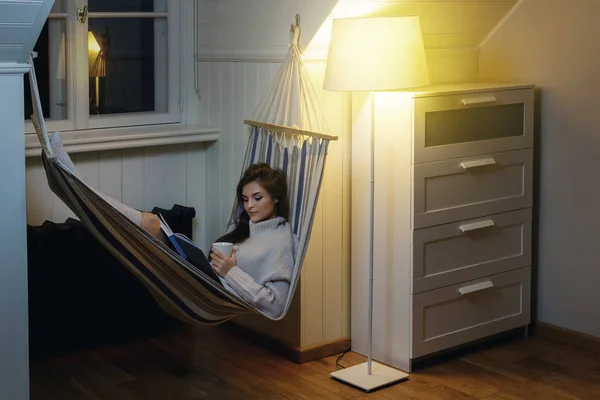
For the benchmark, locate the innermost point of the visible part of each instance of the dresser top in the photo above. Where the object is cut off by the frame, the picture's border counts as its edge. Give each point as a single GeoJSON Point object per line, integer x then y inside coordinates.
{"type": "Point", "coordinates": [478, 87]}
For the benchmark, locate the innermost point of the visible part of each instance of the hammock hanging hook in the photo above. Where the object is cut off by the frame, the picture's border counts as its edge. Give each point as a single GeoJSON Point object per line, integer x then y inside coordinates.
{"type": "Point", "coordinates": [295, 32]}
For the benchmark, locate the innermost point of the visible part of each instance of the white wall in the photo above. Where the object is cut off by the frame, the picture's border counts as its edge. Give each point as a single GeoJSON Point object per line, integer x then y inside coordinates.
{"type": "Point", "coordinates": [241, 45]}
{"type": "Point", "coordinates": [142, 178]}
{"type": "Point", "coordinates": [554, 45]}
{"type": "Point", "coordinates": [232, 91]}
{"type": "Point", "coordinates": [14, 350]}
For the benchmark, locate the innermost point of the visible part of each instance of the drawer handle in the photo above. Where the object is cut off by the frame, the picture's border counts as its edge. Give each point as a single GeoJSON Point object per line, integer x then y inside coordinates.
{"type": "Point", "coordinates": [478, 163]}
{"type": "Point", "coordinates": [478, 100]}
{"type": "Point", "coordinates": [477, 225]}
{"type": "Point", "coordinates": [476, 287]}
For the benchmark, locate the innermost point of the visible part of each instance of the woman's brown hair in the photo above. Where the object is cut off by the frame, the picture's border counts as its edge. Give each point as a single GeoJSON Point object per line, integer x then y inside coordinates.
{"type": "Point", "coordinates": [275, 183]}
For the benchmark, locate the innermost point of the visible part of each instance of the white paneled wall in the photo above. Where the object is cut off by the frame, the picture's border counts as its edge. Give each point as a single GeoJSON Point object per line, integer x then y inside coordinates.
{"type": "Point", "coordinates": [141, 178]}
{"type": "Point", "coordinates": [255, 29]}
{"type": "Point", "coordinates": [233, 91]}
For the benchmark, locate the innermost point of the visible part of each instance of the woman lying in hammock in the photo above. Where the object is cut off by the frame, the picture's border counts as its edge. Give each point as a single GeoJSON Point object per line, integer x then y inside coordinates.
{"type": "Point", "coordinates": [261, 266]}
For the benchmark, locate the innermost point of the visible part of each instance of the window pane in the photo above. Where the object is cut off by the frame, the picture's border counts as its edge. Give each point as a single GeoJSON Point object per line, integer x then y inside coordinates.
{"type": "Point", "coordinates": [128, 66]}
{"type": "Point", "coordinates": [50, 68]}
{"type": "Point", "coordinates": [127, 5]}
{"type": "Point", "coordinates": [468, 125]}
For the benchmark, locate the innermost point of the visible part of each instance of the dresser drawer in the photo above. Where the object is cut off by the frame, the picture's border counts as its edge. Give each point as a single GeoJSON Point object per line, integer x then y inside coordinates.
{"type": "Point", "coordinates": [462, 125]}
{"type": "Point", "coordinates": [455, 190]}
{"type": "Point", "coordinates": [462, 251]}
{"type": "Point", "coordinates": [461, 313]}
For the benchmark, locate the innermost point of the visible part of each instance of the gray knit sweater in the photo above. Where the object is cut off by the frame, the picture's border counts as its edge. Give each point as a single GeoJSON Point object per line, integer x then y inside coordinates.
{"type": "Point", "coordinates": [265, 263]}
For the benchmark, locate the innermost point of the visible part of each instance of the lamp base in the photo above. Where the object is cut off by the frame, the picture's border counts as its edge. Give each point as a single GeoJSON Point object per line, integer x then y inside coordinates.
{"type": "Point", "coordinates": [381, 375]}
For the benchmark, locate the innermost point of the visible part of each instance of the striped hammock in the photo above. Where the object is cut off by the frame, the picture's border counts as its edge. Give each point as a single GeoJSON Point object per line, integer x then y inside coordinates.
{"type": "Point", "coordinates": [181, 289]}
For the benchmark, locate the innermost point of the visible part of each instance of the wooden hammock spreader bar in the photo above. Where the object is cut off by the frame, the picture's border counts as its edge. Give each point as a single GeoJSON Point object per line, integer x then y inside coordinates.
{"type": "Point", "coordinates": [287, 129]}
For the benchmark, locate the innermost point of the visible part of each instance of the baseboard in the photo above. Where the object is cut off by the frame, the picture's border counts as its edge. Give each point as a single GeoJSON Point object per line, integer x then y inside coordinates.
{"type": "Point", "coordinates": [568, 336]}
{"type": "Point", "coordinates": [322, 350]}
{"type": "Point", "coordinates": [299, 355]}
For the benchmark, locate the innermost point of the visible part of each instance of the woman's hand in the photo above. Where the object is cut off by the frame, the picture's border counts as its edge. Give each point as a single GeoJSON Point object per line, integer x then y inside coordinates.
{"type": "Point", "coordinates": [220, 263]}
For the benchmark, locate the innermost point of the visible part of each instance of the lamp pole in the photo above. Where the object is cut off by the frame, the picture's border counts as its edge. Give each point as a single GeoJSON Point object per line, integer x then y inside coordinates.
{"type": "Point", "coordinates": [371, 235]}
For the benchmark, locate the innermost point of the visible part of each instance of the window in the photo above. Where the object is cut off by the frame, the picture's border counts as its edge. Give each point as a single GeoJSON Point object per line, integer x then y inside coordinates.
{"type": "Point", "coordinates": [108, 63]}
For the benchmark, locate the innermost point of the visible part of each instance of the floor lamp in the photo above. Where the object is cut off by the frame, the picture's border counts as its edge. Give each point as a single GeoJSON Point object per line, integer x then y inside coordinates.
{"type": "Point", "coordinates": [97, 67]}
{"type": "Point", "coordinates": [370, 54]}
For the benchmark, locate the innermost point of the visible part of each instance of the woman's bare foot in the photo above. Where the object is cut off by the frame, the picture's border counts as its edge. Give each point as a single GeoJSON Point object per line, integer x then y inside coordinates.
{"type": "Point", "coordinates": [151, 223]}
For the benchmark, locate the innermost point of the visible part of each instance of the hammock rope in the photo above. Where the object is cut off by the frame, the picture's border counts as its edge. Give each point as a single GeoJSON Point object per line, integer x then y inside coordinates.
{"type": "Point", "coordinates": [291, 104]}
{"type": "Point", "coordinates": [284, 133]}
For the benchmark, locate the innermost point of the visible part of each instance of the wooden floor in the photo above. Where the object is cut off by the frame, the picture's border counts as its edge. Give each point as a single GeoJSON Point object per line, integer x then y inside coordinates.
{"type": "Point", "coordinates": [211, 363]}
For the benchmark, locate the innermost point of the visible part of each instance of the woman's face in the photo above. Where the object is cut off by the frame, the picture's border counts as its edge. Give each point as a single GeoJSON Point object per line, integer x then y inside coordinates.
{"type": "Point", "coordinates": [258, 203]}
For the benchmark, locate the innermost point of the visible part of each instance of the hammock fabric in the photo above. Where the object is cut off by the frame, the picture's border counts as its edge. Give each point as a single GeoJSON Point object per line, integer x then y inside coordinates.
{"type": "Point", "coordinates": [182, 290]}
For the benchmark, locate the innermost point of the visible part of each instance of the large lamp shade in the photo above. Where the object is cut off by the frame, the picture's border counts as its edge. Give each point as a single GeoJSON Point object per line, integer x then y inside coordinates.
{"type": "Point", "coordinates": [384, 53]}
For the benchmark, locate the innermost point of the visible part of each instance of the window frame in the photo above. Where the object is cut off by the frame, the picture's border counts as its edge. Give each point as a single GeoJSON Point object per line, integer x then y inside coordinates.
{"type": "Point", "coordinates": [77, 86]}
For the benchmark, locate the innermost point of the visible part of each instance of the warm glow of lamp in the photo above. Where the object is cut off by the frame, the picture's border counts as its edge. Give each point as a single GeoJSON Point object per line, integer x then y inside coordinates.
{"type": "Point", "coordinates": [376, 54]}
{"type": "Point", "coordinates": [319, 42]}
{"type": "Point", "coordinates": [96, 64]}
{"type": "Point", "coordinates": [93, 46]}
{"type": "Point", "coordinates": [369, 54]}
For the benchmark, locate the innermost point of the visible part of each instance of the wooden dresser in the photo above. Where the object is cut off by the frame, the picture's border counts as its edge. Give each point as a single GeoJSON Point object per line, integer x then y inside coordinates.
{"type": "Point", "coordinates": [453, 198]}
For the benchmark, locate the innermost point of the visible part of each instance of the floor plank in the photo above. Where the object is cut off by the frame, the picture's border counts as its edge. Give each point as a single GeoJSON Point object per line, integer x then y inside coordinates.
{"type": "Point", "coordinates": [212, 363]}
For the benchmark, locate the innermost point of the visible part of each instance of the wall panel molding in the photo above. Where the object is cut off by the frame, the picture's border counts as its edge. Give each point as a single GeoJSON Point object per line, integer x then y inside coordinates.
{"type": "Point", "coordinates": [142, 178]}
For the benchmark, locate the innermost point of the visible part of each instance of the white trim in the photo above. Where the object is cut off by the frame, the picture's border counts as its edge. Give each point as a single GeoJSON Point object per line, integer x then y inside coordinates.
{"type": "Point", "coordinates": [259, 54]}
{"type": "Point", "coordinates": [194, 45]}
{"type": "Point", "coordinates": [242, 54]}
{"type": "Point", "coordinates": [501, 23]}
{"type": "Point", "coordinates": [133, 119]}
{"type": "Point", "coordinates": [57, 49]}
{"type": "Point", "coordinates": [188, 67]}
{"type": "Point", "coordinates": [78, 72]}
{"type": "Point", "coordinates": [173, 113]}
{"type": "Point", "coordinates": [13, 68]}
{"type": "Point", "coordinates": [77, 90]}
{"type": "Point", "coordinates": [139, 136]}
{"type": "Point", "coordinates": [161, 64]}
{"type": "Point", "coordinates": [51, 125]}
{"type": "Point", "coordinates": [277, 54]}
{"type": "Point", "coordinates": [128, 15]}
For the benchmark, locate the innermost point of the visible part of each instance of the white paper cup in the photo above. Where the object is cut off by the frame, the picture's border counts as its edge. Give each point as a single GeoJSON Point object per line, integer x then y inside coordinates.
{"type": "Point", "coordinates": [224, 247]}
